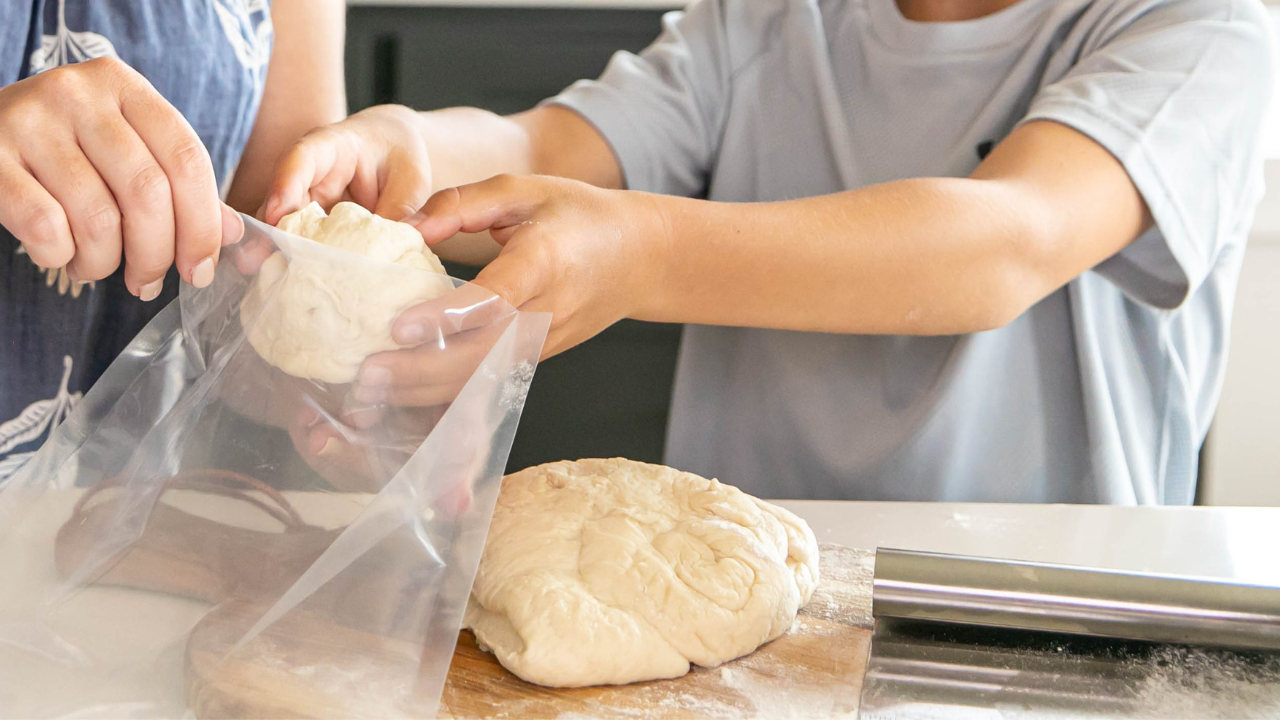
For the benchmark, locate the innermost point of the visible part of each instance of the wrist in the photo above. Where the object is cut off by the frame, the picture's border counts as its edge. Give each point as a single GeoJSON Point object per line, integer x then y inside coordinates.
{"type": "Point", "coordinates": [655, 236]}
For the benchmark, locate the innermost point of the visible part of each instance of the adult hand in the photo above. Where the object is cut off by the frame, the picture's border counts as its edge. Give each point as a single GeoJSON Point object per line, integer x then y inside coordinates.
{"type": "Point", "coordinates": [96, 166]}
{"type": "Point", "coordinates": [588, 256]}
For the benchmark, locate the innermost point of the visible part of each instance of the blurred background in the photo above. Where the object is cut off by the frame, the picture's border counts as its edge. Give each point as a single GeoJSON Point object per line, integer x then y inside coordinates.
{"type": "Point", "coordinates": [610, 396]}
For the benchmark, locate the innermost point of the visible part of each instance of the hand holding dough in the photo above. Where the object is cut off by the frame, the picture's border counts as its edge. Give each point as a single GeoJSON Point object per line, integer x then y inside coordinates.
{"type": "Point", "coordinates": [329, 311]}
{"type": "Point", "coordinates": [613, 571]}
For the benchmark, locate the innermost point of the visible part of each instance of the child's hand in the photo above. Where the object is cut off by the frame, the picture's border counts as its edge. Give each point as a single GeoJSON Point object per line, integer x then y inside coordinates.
{"type": "Point", "coordinates": [588, 256]}
{"type": "Point", "coordinates": [377, 158]}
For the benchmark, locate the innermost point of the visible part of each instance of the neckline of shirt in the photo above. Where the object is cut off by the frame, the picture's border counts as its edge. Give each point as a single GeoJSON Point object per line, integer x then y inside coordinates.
{"type": "Point", "coordinates": [996, 30]}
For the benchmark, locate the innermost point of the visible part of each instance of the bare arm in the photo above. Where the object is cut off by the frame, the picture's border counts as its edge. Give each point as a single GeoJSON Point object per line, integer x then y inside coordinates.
{"type": "Point", "coordinates": [914, 257]}
{"type": "Point", "coordinates": [921, 256]}
{"type": "Point", "coordinates": [468, 145]}
{"type": "Point", "coordinates": [304, 90]}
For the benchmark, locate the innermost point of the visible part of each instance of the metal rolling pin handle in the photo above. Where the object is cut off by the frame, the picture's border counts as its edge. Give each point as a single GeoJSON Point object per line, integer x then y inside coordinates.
{"type": "Point", "coordinates": [1071, 599]}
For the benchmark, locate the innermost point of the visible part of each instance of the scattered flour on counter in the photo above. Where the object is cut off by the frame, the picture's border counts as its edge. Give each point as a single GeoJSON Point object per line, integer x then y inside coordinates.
{"type": "Point", "coordinates": [1207, 683]}
{"type": "Point", "coordinates": [777, 699]}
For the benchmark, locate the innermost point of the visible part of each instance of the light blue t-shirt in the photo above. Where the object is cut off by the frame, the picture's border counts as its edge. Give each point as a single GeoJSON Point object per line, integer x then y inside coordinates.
{"type": "Point", "coordinates": [1100, 393]}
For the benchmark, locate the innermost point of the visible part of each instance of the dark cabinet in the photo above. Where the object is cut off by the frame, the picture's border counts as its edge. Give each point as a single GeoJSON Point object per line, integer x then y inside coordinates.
{"type": "Point", "coordinates": [501, 59]}
{"type": "Point", "coordinates": [611, 395]}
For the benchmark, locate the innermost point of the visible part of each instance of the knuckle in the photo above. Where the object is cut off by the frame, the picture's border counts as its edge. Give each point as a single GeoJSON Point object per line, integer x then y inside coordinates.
{"type": "Point", "coordinates": [317, 142]}
{"type": "Point", "coordinates": [112, 67]}
{"type": "Point", "coordinates": [79, 84]}
{"type": "Point", "coordinates": [149, 187]}
{"type": "Point", "coordinates": [40, 226]}
{"type": "Point", "coordinates": [191, 160]}
{"type": "Point", "coordinates": [62, 79]}
{"type": "Point", "coordinates": [547, 251]}
{"type": "Point", "coordinates": [102, 223]}
{"type": "Point", "coordinates": [302, 149]}
{"type": "Point", "coordinates": [322, 135]}
{"type": "Point", "coordinates": [387, 112]}
{"type": "Point", "coordinates": [28, 115]}
{"type": "Point", "coordinates": [505, 182]}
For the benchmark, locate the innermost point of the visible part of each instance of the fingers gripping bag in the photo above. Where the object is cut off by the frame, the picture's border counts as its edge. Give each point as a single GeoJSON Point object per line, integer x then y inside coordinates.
{"type": "Point", "coordinates": [243, 517]}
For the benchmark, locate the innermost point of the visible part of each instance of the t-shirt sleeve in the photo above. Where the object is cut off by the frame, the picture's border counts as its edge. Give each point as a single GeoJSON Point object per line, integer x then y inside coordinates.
{"type": "Point", "coordinates": [662, 111]}
{"type": "Point", "coordinates": [1177, 93]}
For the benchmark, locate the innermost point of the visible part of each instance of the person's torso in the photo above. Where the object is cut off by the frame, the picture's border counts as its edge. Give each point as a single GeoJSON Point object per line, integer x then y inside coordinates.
{"type": "Point", "coordinates": [208, 58]}
{"type": "Point", "coordinates": [842, 94]}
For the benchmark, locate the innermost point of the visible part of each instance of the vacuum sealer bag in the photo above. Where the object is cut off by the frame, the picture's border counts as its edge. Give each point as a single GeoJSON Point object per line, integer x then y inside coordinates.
{"type": "Point", "coordinates": [209, 535]}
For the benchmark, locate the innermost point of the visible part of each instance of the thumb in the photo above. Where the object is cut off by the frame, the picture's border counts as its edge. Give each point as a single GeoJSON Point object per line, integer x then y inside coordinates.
{"type": "Point", "coordinates": [512, 279]}
{"type": "Point", "coordinates": [519, 274]}
{"type": "Point", "coordinates": [496, 203]}
{"type": "Point", "coordinates": [460, 310]}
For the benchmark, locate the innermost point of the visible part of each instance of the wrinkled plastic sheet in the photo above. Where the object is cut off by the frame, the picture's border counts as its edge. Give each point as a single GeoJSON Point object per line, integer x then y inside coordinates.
{"type": "Point", "coordinates": [207, 536]}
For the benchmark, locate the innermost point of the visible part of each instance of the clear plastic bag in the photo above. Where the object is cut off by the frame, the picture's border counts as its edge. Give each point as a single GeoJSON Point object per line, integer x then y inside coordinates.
{"type": "Point", "coordinates": [208, 536]}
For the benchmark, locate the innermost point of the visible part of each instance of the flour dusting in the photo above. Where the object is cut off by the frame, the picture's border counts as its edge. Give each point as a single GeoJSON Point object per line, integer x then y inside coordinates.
{"type": "Point", "coordinates": [1205, 683]}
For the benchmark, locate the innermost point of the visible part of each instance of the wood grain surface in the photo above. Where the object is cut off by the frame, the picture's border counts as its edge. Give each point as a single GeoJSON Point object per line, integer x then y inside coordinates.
{"type": "Point", "coordinates": [302, 666]}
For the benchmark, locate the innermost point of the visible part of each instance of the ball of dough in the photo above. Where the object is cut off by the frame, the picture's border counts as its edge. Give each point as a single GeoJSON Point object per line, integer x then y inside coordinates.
{"type": "Point", "coordinates": [319, 314]}
{"type": "Point", "coordinates": [612, 571]}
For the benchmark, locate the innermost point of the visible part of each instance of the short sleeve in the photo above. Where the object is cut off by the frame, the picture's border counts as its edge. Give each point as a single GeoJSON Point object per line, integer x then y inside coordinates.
{"type": "Point", "coordinates": [662, 111]}
{"type": "Point", "coordinates": [1177, 93]}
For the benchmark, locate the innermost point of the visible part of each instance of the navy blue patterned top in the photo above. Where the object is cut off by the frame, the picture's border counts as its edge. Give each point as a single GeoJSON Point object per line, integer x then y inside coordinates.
{"type": "Point", "coordinates": [209, 59]}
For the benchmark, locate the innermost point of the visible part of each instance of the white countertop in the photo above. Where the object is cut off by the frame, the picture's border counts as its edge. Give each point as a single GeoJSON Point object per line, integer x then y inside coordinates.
{"type": "Point", "coordinates": [1242, 544]}
{"type": "Point", "coordinates": [118, 652]}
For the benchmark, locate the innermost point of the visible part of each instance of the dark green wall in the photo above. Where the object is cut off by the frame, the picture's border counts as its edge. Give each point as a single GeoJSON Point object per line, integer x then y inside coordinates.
{"type": "Point", "coordinates": [611, 395]}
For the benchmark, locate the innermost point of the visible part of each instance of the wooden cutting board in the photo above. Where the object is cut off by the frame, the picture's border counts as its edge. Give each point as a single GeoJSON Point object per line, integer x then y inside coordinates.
{"type": "Point", "coordinates": [300, 667]}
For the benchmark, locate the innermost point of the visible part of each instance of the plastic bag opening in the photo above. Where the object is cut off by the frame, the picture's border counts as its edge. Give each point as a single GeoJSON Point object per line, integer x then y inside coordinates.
{"type": "Point", "coordinates": [209, 534]}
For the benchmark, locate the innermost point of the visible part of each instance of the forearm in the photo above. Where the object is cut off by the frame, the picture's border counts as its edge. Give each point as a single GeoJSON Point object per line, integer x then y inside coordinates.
{"type": "Point", "coordinates": [468, 145]}
{"type": "Point", "coordinates": [928, 256]}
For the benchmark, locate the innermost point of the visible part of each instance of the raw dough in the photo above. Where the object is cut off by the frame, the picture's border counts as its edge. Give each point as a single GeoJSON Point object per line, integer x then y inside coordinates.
{"type": "Point", "coordinates": [613, 571]}
{"type": "Point", "coordinates": [330, 311]}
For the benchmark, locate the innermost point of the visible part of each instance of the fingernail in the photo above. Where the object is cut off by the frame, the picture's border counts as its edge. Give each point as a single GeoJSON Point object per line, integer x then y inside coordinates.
{"type": "Point", "coordinates": [330, 447]}
{"type": "Point", "coordinates": [273, 204]}
{"type": "Point", "coordinates": [232, 226]}
{"type": "Point", "coordinates": [151, 290]}
{"type": "Point", "coordinates": [202, 275]}
{"type": "Point", "coordinates": [409, 334]}
{"type": "Point", "coordinates": [375, 376]}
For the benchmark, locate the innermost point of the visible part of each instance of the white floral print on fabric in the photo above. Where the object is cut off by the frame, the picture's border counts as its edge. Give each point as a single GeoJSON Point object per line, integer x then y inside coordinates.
{"type": "Point", "coordinates": [59, 277]}
{"type": "Point", "coordinates": [32, 423]}
{"type": "Point", "coordinates": [66, 47]}
{"type": "Point", "coordinates": [247, 24]}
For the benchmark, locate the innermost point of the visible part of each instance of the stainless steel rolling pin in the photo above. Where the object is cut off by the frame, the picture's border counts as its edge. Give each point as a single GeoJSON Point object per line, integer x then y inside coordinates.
{"type": "Point", "coordinates": [1072, 599]}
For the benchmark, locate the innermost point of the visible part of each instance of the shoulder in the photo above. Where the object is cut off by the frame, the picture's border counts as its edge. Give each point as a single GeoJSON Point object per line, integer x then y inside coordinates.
{"type": "Point", "coordinates": [1246, 20]}
{"type": "Point", "coordinates": [1233, 41]}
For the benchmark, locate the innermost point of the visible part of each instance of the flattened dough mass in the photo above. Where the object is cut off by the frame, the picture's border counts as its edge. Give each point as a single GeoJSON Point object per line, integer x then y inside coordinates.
{"type": "Point", "coordinates": [318, 315]}
{"type": "Point", "coordinates": [613, 571]}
